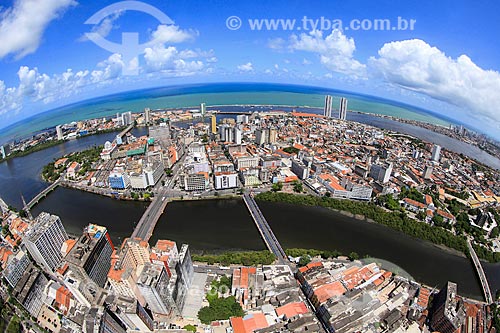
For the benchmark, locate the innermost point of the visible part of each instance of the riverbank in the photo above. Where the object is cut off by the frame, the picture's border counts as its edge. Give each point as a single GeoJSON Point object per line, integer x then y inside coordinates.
{"type": "Point", "coordinates": [395, 220]}
{"type": "Point", "coordinates": [53, 143]}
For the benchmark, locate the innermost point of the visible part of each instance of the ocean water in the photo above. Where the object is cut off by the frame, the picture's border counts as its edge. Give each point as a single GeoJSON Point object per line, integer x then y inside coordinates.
{"type": "Point", "coordinates": [190, 96]}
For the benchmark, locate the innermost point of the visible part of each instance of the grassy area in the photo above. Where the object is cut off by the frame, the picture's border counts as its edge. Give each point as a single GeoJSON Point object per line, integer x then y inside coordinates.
{"type": "Point", "coordinates": [397, 220]}
{"type": "Point", "coordinates": [250, 258]}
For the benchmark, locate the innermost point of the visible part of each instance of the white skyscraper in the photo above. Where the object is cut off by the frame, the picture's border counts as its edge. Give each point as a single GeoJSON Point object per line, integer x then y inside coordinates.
{"type": "Point", "coordinates": [436, 152]}
{"type": "Point", "coordinates": [44, 240]}
{"type": "Point", "coordinates": [203, 109]}
{"type": "Point", "coordinates": [328, 106]}
{"type": "Point", "coordinates": [127, 118]}
{"type": "Point", "coordinates": [237, 135]}
{"type": "Point", "coordinates": [59, 132]}
{"type": "Point", "coordinates": [147, 116]}
{"type": "Point", "coordinates": [343, 108]}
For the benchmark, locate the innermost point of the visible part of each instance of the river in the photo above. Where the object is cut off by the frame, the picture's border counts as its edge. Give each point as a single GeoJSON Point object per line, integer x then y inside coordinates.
{"type": "Point", "coordinates": [225, 225]}
{"type": "Point", "coordinates": [22, 175]}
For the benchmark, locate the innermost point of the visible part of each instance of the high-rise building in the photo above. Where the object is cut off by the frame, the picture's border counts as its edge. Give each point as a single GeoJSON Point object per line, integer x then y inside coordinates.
{"type": "Point", "coordinates": [92, 254]}
{"type": "Point", "coordinates": [203, 109]}
{"type": "Point", "coordinates": [111, 323]}
{"type": "Point", "coordinates": [436, 153]}
{"type": "Point", "coordinates": [447, 313]}
{"type": "Point", "coordinates": [185, 272]}
{"type": "Point", "coordinates": [153, 286]}
{"type": "Point", "coordinates": [242, 119]}
{"type": "Point", "coordinates": [428, 172]}
{"type": "Point", "coordinates": [343, 108]}
{"type": "Point", "coordinates": [147, 116]}
{"type": "Point", "coordinates": [261, 136]}
{"type": "Point", "coordinates": [237, 136]}
{"type": "Point", "coordinates": [273, 135]}
{"type": "Point", "coordinates": [381, 173]}
{"type": "Point", "coordinates": [127, 118]}
{"type": "Point", "coordinates": [213, 124]}
{"type": "Point", "coordinates": [15, 268]}
{"type": "Point", "coordinates": [327, 112]}
{"type": "Point", "coordinates": [118, 179]}
{"type": "Point", "coordinates": [4, 151]}
{"type": "Point", "coordinates": [44, 240]}
{"type": "Point", "coordinates": [59, 132]}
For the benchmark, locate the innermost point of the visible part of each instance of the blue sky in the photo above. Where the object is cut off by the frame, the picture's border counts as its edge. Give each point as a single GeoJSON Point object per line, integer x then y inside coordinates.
{"type": "Point", "coordinates": [449, 62]}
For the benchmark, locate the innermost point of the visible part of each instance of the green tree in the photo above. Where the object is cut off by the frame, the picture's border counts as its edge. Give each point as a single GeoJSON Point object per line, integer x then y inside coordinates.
{"type": "Point", "coordinates": [494, 232]}
{"type": "Point", "coordinates": [220, 309]}
{"type": "Point", "coordinates": [297, 186]}
{"type": "Point", "coordinates": [190, 328]}
{"type": "Point", "coordinates": [353, 256]}
{"type": "Point", "coordinates": [276, 187]}
{"type": "Point", "coordinates": [304, 260]}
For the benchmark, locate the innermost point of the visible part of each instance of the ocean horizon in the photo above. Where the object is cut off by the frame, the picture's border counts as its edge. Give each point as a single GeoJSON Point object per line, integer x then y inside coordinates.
{"type": "Point", "coordinates": [214, 94]}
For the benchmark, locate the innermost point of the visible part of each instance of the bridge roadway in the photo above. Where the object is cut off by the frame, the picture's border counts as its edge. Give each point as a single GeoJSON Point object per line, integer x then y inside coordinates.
{"type": "Point", "coordinates": [147, 223]}
{"type": "Point", "coordinates": [42, 194]}
{"type": "Point", "coordinates": [126, 130]}
{"type": "Point", "coordinates": [265, 230]}
{"type": "Point", "coordinates": [480, 273]}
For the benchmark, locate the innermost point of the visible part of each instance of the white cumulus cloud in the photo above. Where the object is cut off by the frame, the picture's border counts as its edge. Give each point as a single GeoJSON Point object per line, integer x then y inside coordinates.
{"type": "Point", "coordinates": [248, 67]}
{"type": "Point", "coordinates": [22, 25]}
{"type": "Point", "coordinates": [172, 34]}
{"type": "Point", "coordinates": [417, 66]}
{"type": "Point", "coordinates": [336, 51]}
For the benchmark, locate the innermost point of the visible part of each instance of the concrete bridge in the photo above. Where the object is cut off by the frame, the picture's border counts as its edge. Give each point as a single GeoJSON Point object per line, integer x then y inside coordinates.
{"type": "Point", "coordinates": [480, 273]}
{"type": "Point", "coordinates": [41, 195]}
{"type": "Point", "coordinates": [265, 230]}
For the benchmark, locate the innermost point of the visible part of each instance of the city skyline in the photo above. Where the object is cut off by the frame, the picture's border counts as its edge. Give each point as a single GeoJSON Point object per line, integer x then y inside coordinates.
{"type": "Point", "coordinates": [427, 66]}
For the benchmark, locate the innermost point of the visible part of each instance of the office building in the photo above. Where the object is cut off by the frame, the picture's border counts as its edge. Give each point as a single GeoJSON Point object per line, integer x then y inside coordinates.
{"type": "Point", "coordinates": [59, 132]}
{"type": "Point", "coordinates": [381, 173]}
{"type": "Point", "coordinates": [44, 240]}
{"type": "Point", "coordinates": [213, 124]}
{"type": "Point", "coordinates": [327, 112]}
{"type": "Point", "coordinates": [118, 180]}
{"type": "Point", "coordinates": [195, 181]}
{"type": "Point", "coordinates": [447, 313]}
{"type": "Point", "coordinates": [153, 286]}
{"type": "Point", "coordinates": [92, 254]}
{"type": "Point", "coordinates": [436, 153]}
{"type": "Point", "coordinates": [301, 169]}
{"type": "Point", "coordinates": [224, 180]}
{"type": "Point", "coordinates": [147, 116]}
{"type": "Point", "coordinates": [243, 162]}
{"type": "Point", "coordinates": [343, 108]}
